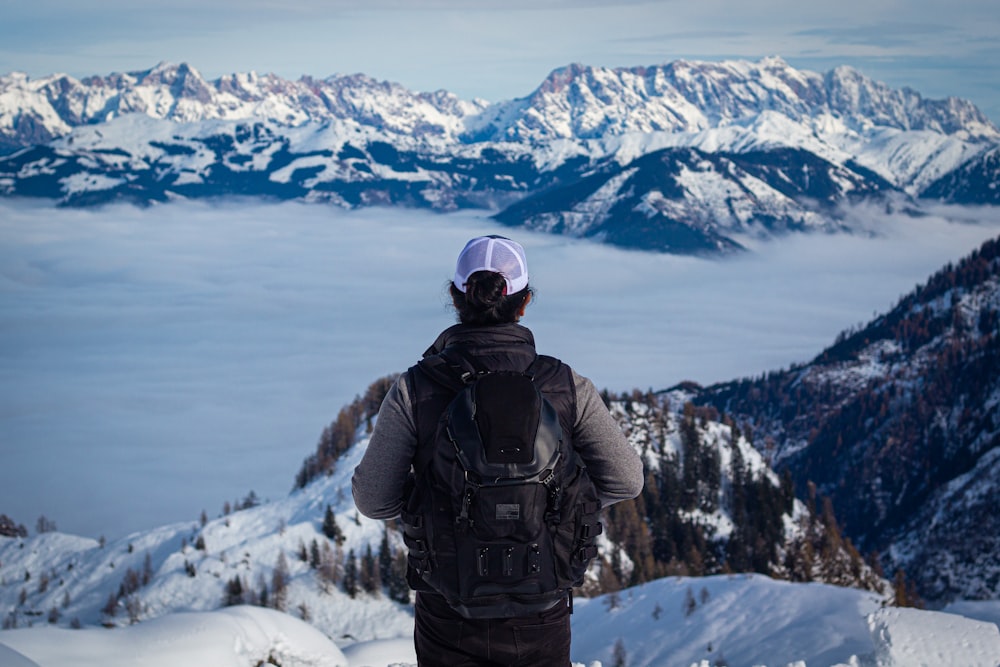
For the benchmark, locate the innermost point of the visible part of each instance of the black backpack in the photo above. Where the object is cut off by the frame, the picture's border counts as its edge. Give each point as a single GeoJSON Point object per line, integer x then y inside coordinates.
{"type": "Point", "coordinates": [501, 517]}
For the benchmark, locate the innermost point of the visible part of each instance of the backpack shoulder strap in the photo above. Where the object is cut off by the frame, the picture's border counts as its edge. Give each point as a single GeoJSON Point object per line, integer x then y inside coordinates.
{"type": "Point", "coordinates": [454, 368]}
{"type": "Point", "coordinates": [444, 376]}
{"type": "Point", "coordinates": [542, 368]}
{"type": "Point", "coordinates": [549, 373]}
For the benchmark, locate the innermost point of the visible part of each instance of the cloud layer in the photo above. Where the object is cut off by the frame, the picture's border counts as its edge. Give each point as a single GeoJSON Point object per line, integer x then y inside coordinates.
{"type": "Point", "coordinates": [154, 363]}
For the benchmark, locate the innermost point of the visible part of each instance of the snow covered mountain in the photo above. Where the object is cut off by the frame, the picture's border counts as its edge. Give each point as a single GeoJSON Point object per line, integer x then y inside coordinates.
{"type": "Point", "coordinates": [579, 102]}
{"type": "Point", "coordinates": [575, 102]}
{"type": "Point", "coordinates": [685, 200]}
{"type": "Point", "coordinates": [898, 423]}
{"type": "Point", "coordinates": [313, 555]}
{"type": "Point", "coordinates": [40, 110]}
{"type": "Point", "coordinates": [710, 504]}
{"type": "Point", "coordinates": [752, 148]}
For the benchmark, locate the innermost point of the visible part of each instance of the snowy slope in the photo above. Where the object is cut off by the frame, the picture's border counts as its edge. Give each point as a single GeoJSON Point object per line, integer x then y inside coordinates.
{"type": "Point", "coordinates": [746, 620]}
{"type": "Point", "coordinates": [80, 574]}
{"type": "Point", "coordinates": [741, 621]}
{"type": "Point", "coordinates": [233, 637]}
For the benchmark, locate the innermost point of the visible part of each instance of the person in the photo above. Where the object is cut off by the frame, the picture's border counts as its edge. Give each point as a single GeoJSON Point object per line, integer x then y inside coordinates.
{"type": "Point", "coordinates": [490, 293]}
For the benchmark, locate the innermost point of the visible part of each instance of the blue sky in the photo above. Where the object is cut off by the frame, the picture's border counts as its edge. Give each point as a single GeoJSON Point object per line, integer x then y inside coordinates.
{"type": "Point", "coordinates": [501, 50]}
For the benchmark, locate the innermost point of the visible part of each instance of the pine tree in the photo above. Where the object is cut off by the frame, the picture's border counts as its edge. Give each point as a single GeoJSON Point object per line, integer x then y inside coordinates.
{"type": "Point", "coordinates": [330, 527]}
{"type": "Point", "coordinates": [350, 580]}
{"type": "Point", "coordinates": [314, 555]}
{"type": "Point", "coordinates": [399, 589]}
{"type": "Point", "coordinates": [263, 594]}
{"type": "Point", "coordinates": [370, 582]}
{"type": "Point", "coordinates": [234, 592]}
{"type": "Point", "coordinates": [384, 557]}
{"type": "Point", "coordinates": [303, 552]}
{"type": "Point", "coordinates": [690, 604]}
{"type": "Point", "coordinates": [619, 656]}
{"type": "Point", "coordinates": [147, 569]}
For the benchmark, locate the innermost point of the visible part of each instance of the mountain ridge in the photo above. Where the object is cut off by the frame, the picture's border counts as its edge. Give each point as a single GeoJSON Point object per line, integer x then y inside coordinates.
{"type": "Point", "coordinates": [349, 140]}
{"type": "Point", "coordinates": [897, 423]}
{"type": "Point", "coordinates": [618, 100]}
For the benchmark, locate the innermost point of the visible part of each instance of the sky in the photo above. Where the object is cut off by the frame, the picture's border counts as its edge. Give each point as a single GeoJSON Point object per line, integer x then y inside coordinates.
{"type": "Point", "coordinates": [503, 50]}
{"type": "Point", "coordinates": [158, 362]}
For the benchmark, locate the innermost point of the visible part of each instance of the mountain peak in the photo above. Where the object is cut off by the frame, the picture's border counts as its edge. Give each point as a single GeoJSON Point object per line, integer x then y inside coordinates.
{"type": "Point", "coordinates": [584, 102]}
{"type": "Point", "coordinates": [169, 74]}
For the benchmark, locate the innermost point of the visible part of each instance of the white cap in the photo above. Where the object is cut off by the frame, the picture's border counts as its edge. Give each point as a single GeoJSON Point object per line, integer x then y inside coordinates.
{"type": "Point", "coordinates": [496, 254]}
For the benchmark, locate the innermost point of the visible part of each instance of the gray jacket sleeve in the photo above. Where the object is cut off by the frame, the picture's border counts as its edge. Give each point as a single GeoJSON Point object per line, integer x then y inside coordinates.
{"type": "Point", "coordinates": [377, 484]}
{"type": "Point", "coordinates": [613, 465]}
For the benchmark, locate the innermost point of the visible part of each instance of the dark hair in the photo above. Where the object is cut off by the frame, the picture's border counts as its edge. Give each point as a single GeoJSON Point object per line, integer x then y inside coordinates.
{"type": "Point", "coordinates": [484, 303]}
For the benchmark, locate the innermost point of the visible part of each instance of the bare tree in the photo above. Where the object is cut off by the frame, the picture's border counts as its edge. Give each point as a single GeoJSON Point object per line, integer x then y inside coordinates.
{"type": "Point", "coordinates": [45, 525]}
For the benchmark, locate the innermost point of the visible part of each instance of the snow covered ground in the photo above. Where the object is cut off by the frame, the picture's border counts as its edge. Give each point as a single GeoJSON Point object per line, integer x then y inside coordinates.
{"type": "Point", "coordinates": [739, 620]}
{"type": "Point", "coordinates": [233, 637]}
{"type": "Point", "coordinates": [51, 582]}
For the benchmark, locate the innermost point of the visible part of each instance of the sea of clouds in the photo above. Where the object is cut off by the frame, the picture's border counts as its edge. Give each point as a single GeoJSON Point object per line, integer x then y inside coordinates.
{"type": "Point", "coordinates": [155, 362]}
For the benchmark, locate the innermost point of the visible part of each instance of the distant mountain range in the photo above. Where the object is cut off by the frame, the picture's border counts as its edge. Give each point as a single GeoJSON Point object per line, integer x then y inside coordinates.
{"type": "Point", "coordinates": [687, 157]}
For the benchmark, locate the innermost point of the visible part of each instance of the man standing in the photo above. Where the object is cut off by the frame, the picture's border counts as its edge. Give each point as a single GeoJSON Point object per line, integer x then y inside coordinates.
{"type": "Point", "coordinates": [490, 293]}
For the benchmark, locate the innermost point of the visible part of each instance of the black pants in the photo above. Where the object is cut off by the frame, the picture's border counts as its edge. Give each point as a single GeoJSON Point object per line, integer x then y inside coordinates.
{"type": "Point", "coordinates": [443, 638]}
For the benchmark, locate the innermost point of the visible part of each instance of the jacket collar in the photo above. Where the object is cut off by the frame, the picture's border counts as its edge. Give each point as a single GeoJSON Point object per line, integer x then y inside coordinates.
{"type": "Point", "coordinates": [482, 336]}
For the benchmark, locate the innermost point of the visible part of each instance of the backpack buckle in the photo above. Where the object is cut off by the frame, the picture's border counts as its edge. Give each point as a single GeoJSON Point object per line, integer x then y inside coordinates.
{"type": "Point", "coordinates": [534, 559]}
{"type": "Point", "coordinates": [508, 561]}
{"type": "Point", "coordinates": [553, 515]}
{"type": "Point", "coordinates": [462, 521]}
{"type": "Point", "coordinates": [483, 562]}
